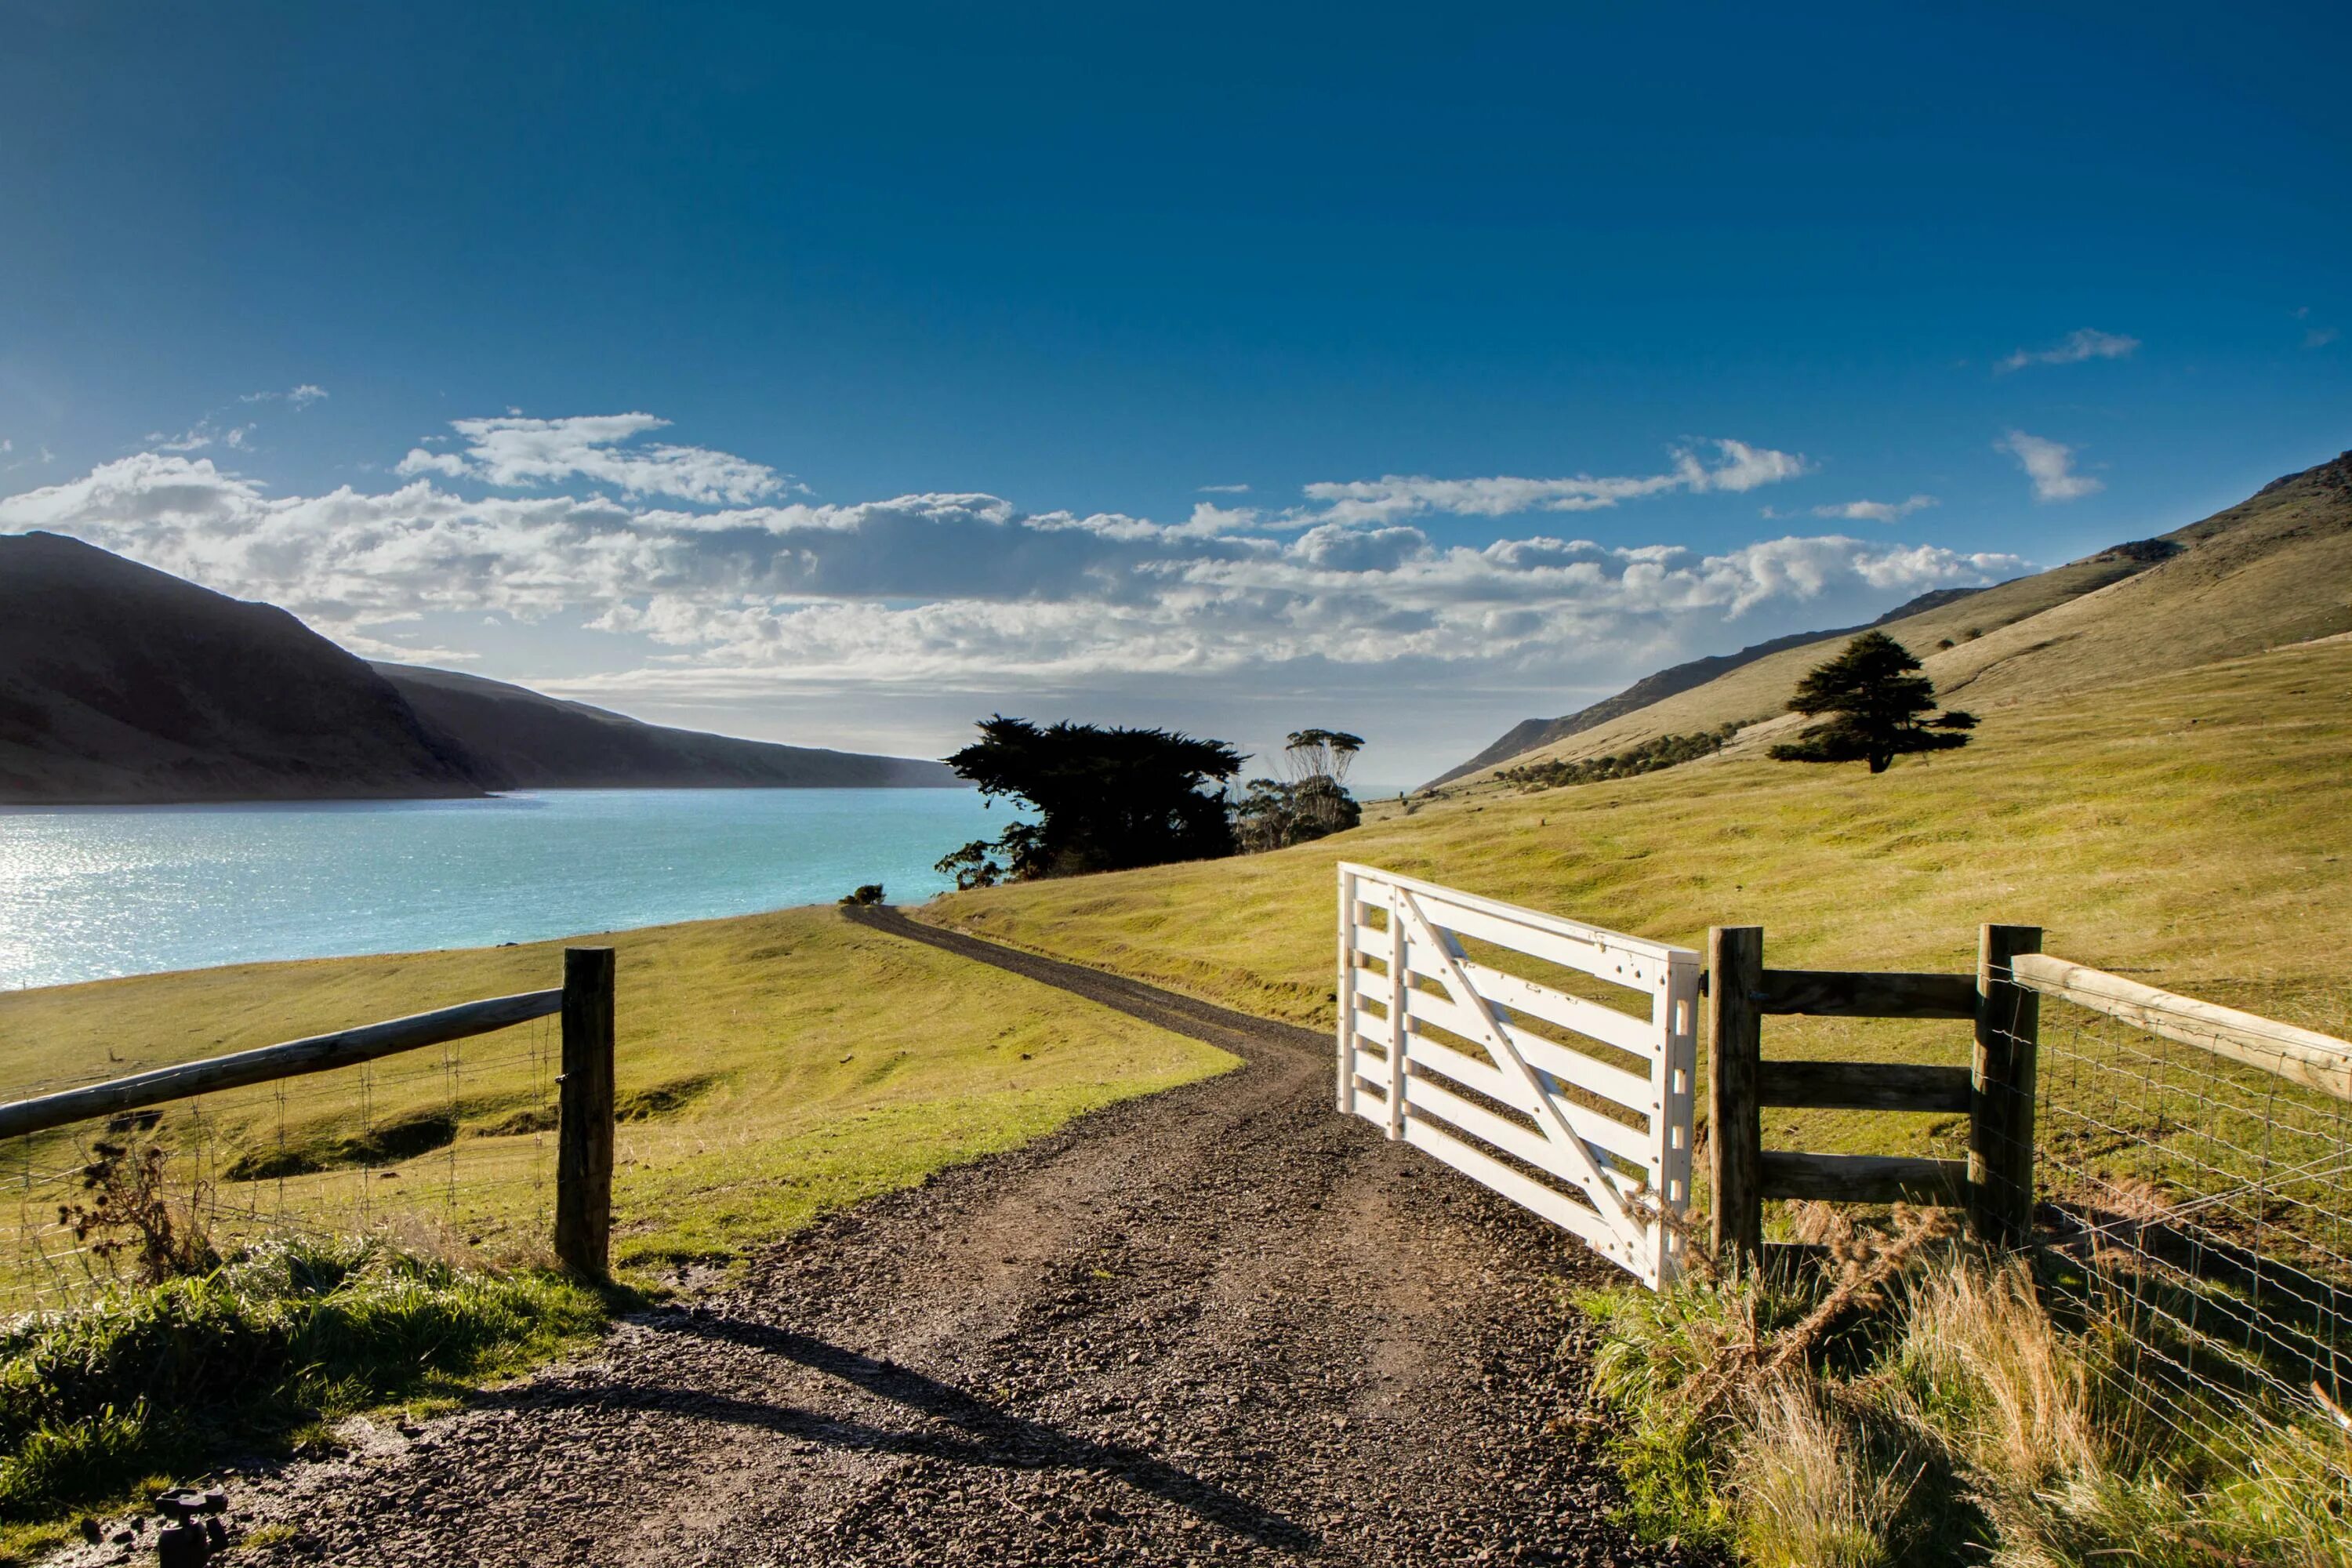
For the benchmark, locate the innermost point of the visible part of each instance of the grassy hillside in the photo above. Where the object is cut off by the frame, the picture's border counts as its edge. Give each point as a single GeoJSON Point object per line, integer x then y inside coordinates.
{"type": "Point", "coordinates": [2274, 569]}
{"type": "Point", "coordinates": [2190, 828]}
{"type": "Point", "coordinates": [769, 1067]}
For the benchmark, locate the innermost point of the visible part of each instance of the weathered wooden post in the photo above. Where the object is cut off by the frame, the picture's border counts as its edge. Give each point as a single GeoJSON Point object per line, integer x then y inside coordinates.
{"type": "Point", "coordinates": [584, 1136]}
{"type": "Point", "coordinates": [2002, 1083]}
{"type": "Point", "coordinates": [1735, 1127]}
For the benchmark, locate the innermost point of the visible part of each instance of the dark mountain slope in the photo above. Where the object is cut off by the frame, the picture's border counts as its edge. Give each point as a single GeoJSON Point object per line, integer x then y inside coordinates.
{"type": "Point", "coordinates": [122, 683]}
{"type": "Point", "coordinates": [544, 742]}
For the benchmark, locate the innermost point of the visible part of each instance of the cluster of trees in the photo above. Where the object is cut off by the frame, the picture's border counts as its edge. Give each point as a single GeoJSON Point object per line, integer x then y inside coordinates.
{"type": "Point", "coordinates": [1309, 801]}
{"type": "Point", "coordinates": [1109, 798]}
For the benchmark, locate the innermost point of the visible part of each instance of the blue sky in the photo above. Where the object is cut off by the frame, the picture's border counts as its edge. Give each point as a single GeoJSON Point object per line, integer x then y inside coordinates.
{"type": "Point", "coordinates": [963, 323]}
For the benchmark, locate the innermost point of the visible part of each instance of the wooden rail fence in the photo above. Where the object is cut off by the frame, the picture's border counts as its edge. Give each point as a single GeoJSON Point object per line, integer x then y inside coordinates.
{"type": "Point", "coordinates": [584, 1169]}
{"type": "Point", "coordinates": [1995, 1183]}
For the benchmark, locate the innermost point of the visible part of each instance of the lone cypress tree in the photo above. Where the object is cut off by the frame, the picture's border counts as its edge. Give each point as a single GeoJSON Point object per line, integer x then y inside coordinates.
{"type": "Point", "coordinates": [1877, 704]}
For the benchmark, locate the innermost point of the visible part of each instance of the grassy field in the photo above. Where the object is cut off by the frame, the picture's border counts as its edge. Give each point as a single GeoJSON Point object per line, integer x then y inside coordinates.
{"type": "Point", "coordinates": [769, 1068]}
{"type": "Point", "coordinates": [2191, 829]}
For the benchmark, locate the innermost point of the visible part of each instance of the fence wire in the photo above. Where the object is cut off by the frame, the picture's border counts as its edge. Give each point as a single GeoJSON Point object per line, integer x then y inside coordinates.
{"type": "Point", "coordinates": [2200, 1209]}
{"type": "Point", "coordinates": [449, 1149]}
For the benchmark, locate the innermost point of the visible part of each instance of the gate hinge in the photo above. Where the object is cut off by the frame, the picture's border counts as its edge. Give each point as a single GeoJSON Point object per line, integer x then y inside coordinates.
{"type": "Point", "coordinates": [1702, 981]}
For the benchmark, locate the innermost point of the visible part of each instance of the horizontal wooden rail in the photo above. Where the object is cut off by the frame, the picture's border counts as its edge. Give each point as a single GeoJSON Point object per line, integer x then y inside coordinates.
{"type": "Point", "coordinates": [319, 1053]}
{"type": "Point", "coordinates": [1866, 993]}
{"type": "Point", "coordinates": [1863, 1085]}
{"type": "Point", "coordinates": [2301, 1056]}
{"type": "Point", "coordinates": [1863, 1178]}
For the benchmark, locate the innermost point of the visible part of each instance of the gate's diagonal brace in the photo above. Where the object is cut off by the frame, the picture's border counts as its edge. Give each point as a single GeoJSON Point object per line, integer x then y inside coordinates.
{"type": "Point", "coordinates": [1602, 1191]}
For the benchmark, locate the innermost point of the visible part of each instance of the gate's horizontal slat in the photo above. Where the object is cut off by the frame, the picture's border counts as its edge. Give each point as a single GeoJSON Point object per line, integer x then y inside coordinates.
{"type": "Point", "coordinates": [1468, 1071]}
{"type": "Point", "coordinates": [1569, 1066]}
{"type": "Point", "coordinates": [1370, 1069]}
{"type": "Point", "coordinates": [1636, 1036]}
{"type": "Point", "coordinates": [1575, 929]}
{"type": "Point", "coordinates": [1424, 1093]}
{"type": "Point", "coordinates": [1596, 1130]}
{"type": "Point", "coordinates": [1564, 1212]}
{"type": "Point", "coordinates": [1585, 957]}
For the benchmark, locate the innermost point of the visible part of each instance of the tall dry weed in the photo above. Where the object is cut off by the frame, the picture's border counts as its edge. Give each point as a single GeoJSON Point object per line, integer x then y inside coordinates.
{"type": "Point", "coordinates": [1805, 1492]}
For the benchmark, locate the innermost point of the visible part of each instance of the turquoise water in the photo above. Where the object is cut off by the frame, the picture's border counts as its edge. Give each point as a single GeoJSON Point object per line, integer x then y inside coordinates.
{"type": "Point", "coordinates": [92, 891]}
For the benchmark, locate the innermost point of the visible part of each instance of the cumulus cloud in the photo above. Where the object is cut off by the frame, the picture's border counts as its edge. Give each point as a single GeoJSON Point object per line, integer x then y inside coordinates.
{"type": "Point", "coordinates": [512, 452]}
{"type": "Point", "coordinates": [952, 590]}
{"type": "Point", "coordinates": [1874, 510]}
{"type": "Point", "coordinates": [2073, 349]}
{"type": "Point", "coordinates": [2049, 465]}
{"type": "Point", "coordinates": [1737, 466]}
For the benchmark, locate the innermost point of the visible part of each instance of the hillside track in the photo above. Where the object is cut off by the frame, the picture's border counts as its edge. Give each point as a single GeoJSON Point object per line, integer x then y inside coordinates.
{"type": "Point", "coordinates": [1220, 1324]}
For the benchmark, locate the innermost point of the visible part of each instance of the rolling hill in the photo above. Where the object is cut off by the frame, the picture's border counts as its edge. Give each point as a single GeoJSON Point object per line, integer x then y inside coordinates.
{"type": "Point", "coordinates": [120, 684]}
{"type": "Point", "coordinates": [2274, 569]}
{"type": "Point", "coordinates": [545, 743]}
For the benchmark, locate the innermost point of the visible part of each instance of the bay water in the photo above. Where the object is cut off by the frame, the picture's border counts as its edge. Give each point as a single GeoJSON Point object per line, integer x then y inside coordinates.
{"type": "Point", "coordinates": [88, 893]}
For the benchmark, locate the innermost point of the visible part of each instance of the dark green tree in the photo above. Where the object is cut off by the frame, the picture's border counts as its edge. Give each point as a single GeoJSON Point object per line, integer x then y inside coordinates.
{"type": "Point", "coordinates": [1105, 798]}
{"type": "Point", "coordinates": [1876, 705]}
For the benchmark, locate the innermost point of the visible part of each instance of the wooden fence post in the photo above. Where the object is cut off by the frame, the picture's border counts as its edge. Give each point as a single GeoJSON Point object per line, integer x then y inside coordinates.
{"type": "Point", "coordinates": [2001, 1080]}
{"type": "Point", "coordinates": [584, 1138]}
{"type": "Point", "coordinates": [1734, 1128]}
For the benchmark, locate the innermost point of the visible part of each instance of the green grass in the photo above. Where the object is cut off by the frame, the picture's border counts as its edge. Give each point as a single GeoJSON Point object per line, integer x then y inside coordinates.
{"type": "Point", "coordinates": [159, 1381]}
{"type": "Point", "coordinates": [770, 1069]}
{"type": "Point", "coordinates": [1959, 1421]}
{"type": "Point", "coordinates": [2189, 830]}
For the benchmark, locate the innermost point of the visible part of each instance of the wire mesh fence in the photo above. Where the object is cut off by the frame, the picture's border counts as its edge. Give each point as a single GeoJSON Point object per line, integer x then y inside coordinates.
{"type": "Point", "coordinates": [449, 1149]}
{"type": "Point", "coordinates": [2195, 1197]}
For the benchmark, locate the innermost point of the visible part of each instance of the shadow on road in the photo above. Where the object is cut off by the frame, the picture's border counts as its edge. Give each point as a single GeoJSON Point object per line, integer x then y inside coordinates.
{"type": "Point", "coordinates": [988, 1437]}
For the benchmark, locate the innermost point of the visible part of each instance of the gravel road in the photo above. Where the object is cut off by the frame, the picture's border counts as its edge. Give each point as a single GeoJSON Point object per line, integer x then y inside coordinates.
{"type": "Point", "coordinates": [1220, 1324]}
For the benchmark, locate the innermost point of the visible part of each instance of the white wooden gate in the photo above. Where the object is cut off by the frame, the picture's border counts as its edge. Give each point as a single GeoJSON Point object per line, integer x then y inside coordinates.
{"type": "Point", "coordinates": [1575, 1108]}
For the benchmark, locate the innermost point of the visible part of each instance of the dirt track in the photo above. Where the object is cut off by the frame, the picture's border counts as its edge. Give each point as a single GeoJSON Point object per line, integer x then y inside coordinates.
{"type": "Point", "coordinates": [1223, 1324]}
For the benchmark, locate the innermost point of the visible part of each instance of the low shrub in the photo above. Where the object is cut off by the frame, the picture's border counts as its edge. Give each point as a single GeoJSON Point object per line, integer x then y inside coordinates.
{"type": "Point", "coordinates": [1663, 752]}
{"type": "Point", "coordinates": [279, 1338]}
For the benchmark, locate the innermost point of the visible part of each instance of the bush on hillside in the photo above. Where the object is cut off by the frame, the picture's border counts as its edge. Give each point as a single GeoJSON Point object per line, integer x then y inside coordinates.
{"type": "Point", "coordinates": [1876, 706]}
{"type": "Point", "coordinates": [1663, 752]}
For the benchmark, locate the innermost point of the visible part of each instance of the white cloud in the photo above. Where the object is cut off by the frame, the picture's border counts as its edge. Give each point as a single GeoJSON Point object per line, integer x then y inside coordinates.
{"type": "Point", "coordinates": [1225, 489]}
{"type": "Point", "coordinates": [959, 588]}
{"type": "Point", "coordinates": [2319, 337]}
{"type": "Point", "coordinates": [1738, 467]}
{"type": "Point", "coordinates": [300, 397]}
{"type": "Point", "coordinates": [513, 452]}
{"type": "Point", "coordinates": [2073, 349]}
{"type": "Point", "coordinates": [2051, 466]}
{"type": "Point", "coordinates": [1874, 510]}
